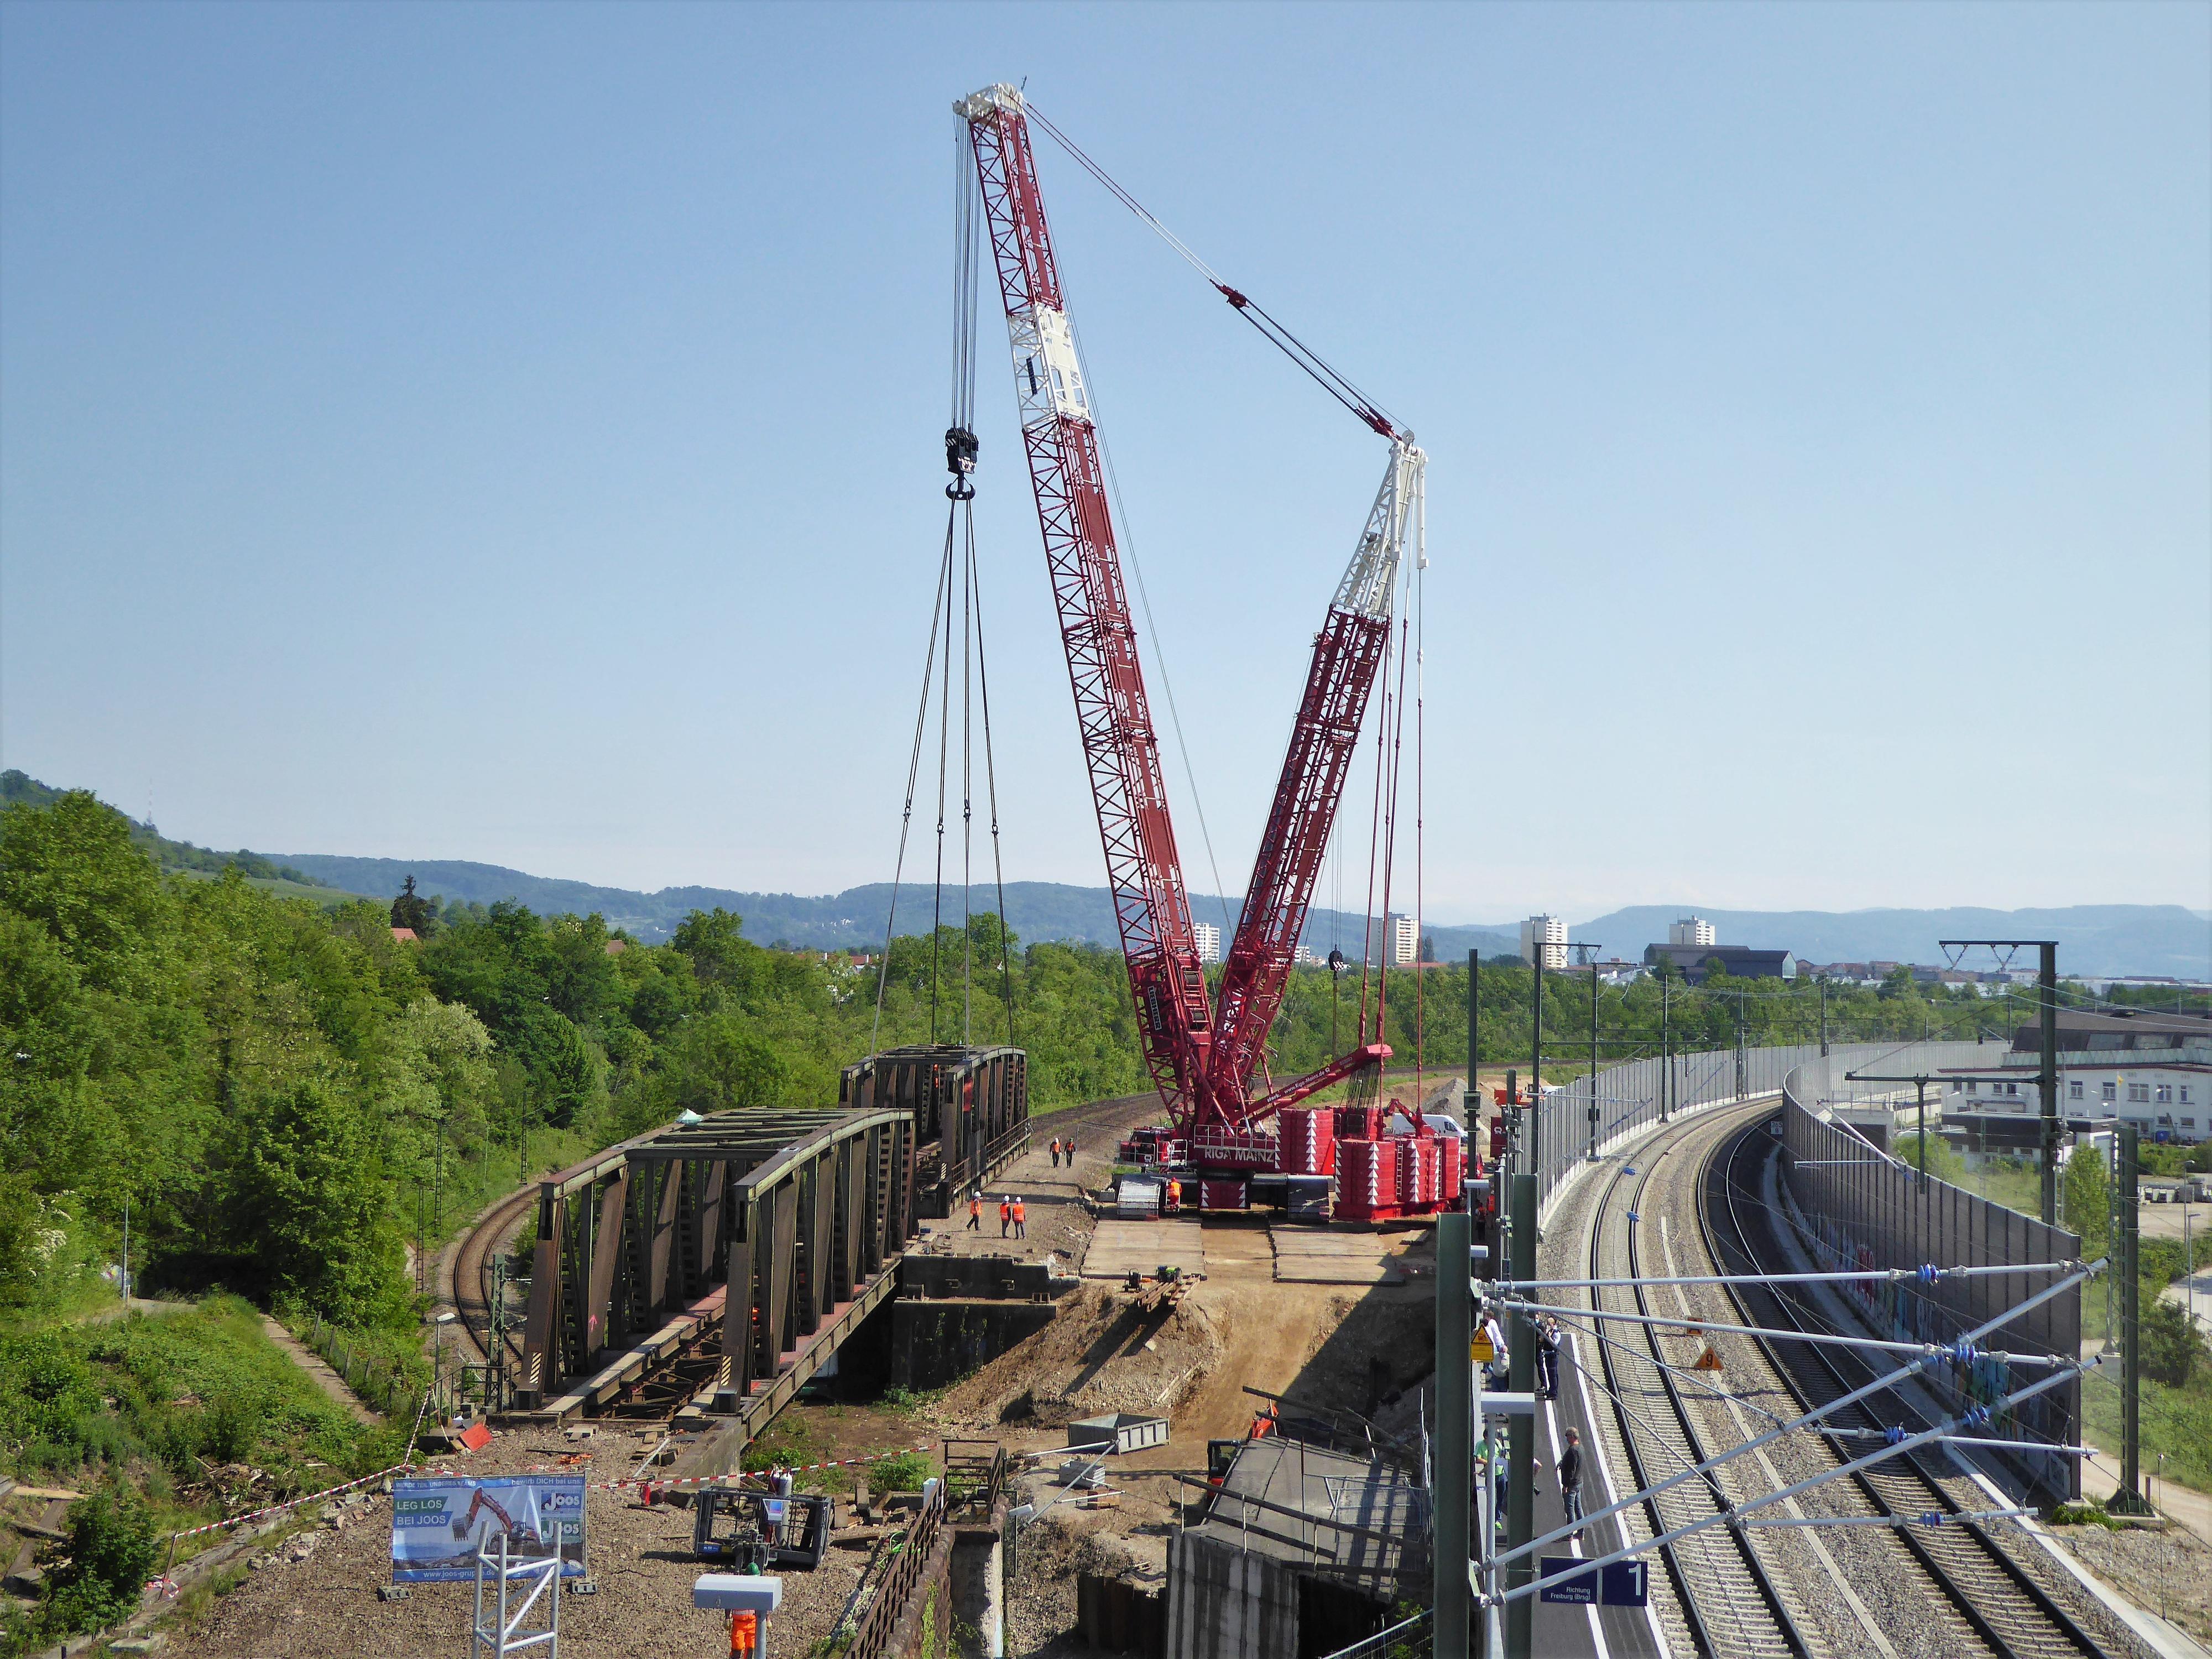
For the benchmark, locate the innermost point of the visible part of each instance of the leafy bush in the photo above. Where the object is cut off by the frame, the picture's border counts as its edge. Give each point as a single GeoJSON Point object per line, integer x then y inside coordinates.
{"type": "Point", "coordinates": [114, 1550]}
{"type": "Point", "coordinates": [900, 1472]}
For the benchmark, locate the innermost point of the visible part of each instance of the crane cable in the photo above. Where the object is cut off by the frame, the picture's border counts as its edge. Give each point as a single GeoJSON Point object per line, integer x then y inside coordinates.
{"type": "Point", "coordinates": [960, 452]}
{"type": "Point", "coordinates": [1330, 380]}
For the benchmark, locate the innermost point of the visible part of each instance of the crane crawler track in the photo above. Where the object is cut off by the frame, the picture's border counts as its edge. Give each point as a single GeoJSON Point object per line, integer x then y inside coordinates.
{"type": "Point", "coordinates": [1994, 1595]}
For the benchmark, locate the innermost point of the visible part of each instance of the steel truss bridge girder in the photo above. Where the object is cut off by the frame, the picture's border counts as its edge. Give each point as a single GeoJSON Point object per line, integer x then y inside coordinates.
{"type": "Point", "coordinates": [765, 1222]}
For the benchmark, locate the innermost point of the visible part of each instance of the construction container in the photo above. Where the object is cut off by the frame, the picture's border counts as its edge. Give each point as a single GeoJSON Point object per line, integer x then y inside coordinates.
{"type": "Point", "coordinates": [1137, 1198]}
{"type": "Point", "coordinates": [1216, 1193]}
{"type": "Point", "coordinates": [1360, 1179]}
{"type": "Point", "coordinates": [1117, 1431]}
{"type": "Point", "coordinates": [1306, 1197]}
{"type": "Point", "coordinates": [1308, 1140]}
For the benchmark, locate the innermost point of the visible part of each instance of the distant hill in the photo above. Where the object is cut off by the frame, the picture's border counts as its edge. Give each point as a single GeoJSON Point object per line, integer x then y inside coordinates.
{"type": "Point", "coordinates": [2092, 938]}
{"type": "Point", "coordinates": [20, 789]}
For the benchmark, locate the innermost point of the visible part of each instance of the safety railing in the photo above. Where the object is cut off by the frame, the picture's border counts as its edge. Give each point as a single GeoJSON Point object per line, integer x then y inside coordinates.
{"type": "Point", "coordinates": [909, 1560]}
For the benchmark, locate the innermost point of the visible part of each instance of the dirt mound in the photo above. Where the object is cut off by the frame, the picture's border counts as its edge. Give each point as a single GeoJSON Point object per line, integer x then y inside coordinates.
{"type": "Point", "coordinates": [1102, 1354]}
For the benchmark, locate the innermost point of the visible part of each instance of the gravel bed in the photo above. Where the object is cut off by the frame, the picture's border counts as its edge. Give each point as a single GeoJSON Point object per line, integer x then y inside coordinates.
{"type": "Point", "coordinates": [315, 1598]}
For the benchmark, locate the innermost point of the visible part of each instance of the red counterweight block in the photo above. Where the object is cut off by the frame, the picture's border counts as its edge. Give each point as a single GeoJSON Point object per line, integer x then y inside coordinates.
{"type": "Point", "coordinates": [1359, 1122]}
{"type": "Point", "coordinates": [1360, 1188]}
{"type": "Point", "coordinates": [1309, 1139]}
{"type": "Point", "coordinates": [1429, 1152]}
{"type": "Point", "coordinates": [1405, 1154]}
{"type": "Point", "coordinates": [1219, 1195]}
{"type": "Point", "coordinates": [1451, 1170]}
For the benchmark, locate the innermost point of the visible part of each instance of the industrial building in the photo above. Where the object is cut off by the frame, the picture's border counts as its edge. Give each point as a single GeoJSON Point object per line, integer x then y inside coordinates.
{"type": "Point", "coordinates": [2121, 1065]}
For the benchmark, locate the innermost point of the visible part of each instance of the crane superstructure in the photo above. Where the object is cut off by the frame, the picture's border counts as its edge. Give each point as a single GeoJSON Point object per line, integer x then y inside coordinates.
{"type": "Point", "coordinates": [1201, 1057]}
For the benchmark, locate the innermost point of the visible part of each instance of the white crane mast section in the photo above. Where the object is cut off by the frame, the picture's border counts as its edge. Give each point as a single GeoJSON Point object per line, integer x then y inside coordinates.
{"type": "Point", "coordinates": [1372, 576]}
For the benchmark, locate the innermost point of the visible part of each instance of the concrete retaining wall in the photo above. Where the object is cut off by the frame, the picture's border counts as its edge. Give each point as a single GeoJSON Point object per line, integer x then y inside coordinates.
{"type": "Point", "coordinates": [934, 1343]}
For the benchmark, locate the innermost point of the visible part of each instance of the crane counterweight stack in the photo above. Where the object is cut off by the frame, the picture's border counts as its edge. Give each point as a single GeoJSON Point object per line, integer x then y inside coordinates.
{"type": "Point", "coordinates": [1202, 1056]}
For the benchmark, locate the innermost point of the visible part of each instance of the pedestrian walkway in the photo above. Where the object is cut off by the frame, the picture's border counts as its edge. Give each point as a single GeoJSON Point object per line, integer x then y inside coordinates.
{"type": "Point", "coordinates": [312, 1362]}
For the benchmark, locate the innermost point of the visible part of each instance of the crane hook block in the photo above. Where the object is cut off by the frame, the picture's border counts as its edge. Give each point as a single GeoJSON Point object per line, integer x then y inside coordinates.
{"type": "Point", "coordinates": [960, 448]}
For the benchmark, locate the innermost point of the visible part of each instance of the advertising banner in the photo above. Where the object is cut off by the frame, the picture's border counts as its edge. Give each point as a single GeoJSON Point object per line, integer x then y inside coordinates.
{"type": "Point", "coordinates": [439, 1522]}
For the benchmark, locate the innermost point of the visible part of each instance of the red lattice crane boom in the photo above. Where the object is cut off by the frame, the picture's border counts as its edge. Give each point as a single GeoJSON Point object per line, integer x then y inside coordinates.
{"type": "Point", "coordinates": [1347, 653]}
{"type": "Point", "coordinates": [1201, 1059]}
{"type": "Point", "coordinates": [1118, 744]}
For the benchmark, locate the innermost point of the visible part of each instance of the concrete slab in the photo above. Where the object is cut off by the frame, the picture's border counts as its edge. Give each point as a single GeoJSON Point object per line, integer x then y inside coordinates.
{"type": "Point", "coordinates": [1118, 1248]}
{"type": "Point", "coordinates": [1316, 1255]}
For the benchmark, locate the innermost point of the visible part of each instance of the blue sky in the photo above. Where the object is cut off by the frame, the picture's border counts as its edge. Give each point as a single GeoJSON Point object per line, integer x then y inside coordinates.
{"type": "Point", "coordinates": [513, 433]}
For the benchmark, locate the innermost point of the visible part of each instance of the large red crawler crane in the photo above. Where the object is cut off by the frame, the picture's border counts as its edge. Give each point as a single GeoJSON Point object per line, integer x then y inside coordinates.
{"type": "Point", "coordinates": [1202, 1055]}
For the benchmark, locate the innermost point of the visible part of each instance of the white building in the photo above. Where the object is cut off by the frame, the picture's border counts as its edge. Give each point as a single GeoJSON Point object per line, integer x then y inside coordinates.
{"type": "Point", "coordinates": [1691, 930]}
{"type": "Point", "coordinates": [2154, 1070]}
{"type": "Point", "coordinates": [1402, 937]}
{"type": "Point", "coordinates": [1551, 933]}
{"type": "Point", "coordinates": [1209, 940]}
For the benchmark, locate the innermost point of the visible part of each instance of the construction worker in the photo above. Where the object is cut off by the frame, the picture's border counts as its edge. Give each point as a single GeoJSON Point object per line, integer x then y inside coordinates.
{"type": "Point", "coordinates": [1006, 1215]}
{"type": "Point", "coordinates": [976, 1210]}
{"type": "Point", "coordinates": [1174, 1193]}
{"type": "Point", "coordinates": [1055, 1152]}
{"type": "Point", "coordinates": [744, 1635]}
{"type": "Point", "coordinates": [1021, 1218]}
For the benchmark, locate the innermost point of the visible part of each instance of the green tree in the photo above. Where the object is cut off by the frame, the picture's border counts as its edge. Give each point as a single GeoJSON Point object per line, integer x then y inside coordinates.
{"type": "Point", "coordinates": [719, 1063]}
{"type": "Point", "coordinates": [1943, 1163]}
{"type": "Point", "coordinates": [2172, 1351]}
{"type": "Point", "coordinates": [2085, 1197]}
{"type": "Point", "coordinates": [311, 1203]}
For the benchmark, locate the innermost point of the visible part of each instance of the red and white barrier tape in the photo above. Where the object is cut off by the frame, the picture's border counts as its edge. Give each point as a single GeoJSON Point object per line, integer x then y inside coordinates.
{"type": "Point", "coordinates": [294, 1503]}
{"type": "Point", "coordinates": [536, 1469]}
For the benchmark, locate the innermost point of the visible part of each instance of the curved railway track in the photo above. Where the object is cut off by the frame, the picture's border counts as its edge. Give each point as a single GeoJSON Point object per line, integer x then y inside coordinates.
{"type": "Point", "coordinates": [1989, 1592]}
{"type": "Point", "coordinates": [472, 1262]}
{"type": "Point", "coordinates": [1734, 1602]}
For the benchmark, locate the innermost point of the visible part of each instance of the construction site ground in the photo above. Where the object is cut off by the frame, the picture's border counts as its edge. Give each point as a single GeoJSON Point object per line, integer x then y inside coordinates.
{"type": "Point", "coordinates": [1360, 1346]}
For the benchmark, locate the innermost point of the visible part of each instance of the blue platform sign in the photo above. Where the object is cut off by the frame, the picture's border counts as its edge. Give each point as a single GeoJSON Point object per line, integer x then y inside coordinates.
{"type": "Point", "coordinates": [1616, 1584]}
{"type": "Point", "coordinates": [438, 1523]}
{"type": "Point", "coordinates": [1579, 1590]}
{"type": "Point", "coordinates": [1625, 1583]}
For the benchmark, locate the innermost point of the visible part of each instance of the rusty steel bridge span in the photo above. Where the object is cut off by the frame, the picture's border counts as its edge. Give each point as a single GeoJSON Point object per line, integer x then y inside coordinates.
{"type": "Point", "coordinates": [751, 1244]}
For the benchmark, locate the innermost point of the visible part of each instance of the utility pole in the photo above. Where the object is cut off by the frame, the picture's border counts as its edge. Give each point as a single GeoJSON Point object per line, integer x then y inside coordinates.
{"type": "Point", "coordinates": [1455, 1420]}
{"type": "Point", "coordinates": [1473, 1113]}
{"type": "Point", "coordinates": [1591, 957]}
{"type": "Point", "coordinates": [1824, 1016]}
{"type": "Point", "coordinates": [1666, 1041]}
{"type": "Point", "coordinates": [1920, 1081]}
{"type": "Point", "coordinates": [2046, 1075]}
{"type": "Point", "coordinates": [1535, 1064]}
{"type": "Point", "coordinates": [2129, 1499]}
{"type": "Point", "coordinates": [1521, 1472]}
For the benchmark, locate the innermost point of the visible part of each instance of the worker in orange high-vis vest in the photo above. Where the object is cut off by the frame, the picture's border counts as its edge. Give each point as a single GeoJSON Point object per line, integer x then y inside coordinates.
{"type": "Point", "coordinates": [1006, 1215]}
{"type": "Point", "coordinates": [1021, 1218]}
{"type": "Point", "coordinates": [744, 1635]}
{"type": "Point", "coordinates": [976, 1212]}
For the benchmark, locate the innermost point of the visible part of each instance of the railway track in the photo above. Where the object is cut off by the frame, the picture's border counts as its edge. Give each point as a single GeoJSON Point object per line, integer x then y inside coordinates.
{"type": "Point", "coordinates": [1734, 1601]}
{"type": "Point", "coordinates": [472, 1271]}
{"type": "Point", "coordinates": [1979, 1582]}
